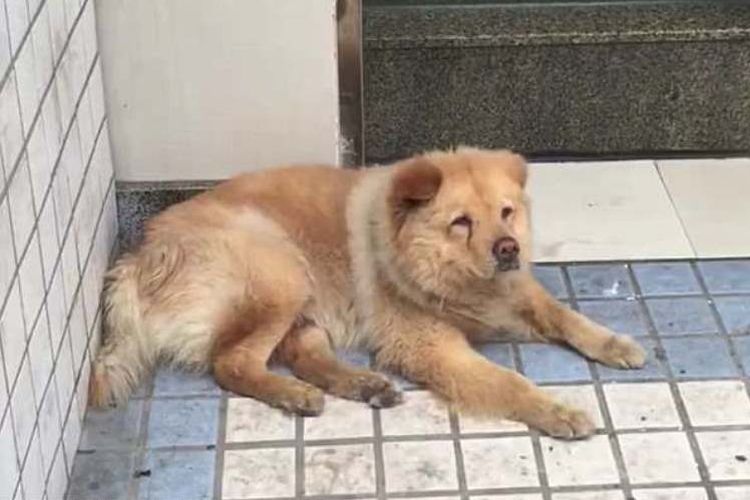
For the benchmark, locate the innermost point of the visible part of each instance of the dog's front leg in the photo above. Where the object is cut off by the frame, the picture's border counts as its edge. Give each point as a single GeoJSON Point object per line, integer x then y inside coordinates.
{"type": "Point", "coordinates": [445, 363]}
{"type": "Point", "coordinates": [556, 322]}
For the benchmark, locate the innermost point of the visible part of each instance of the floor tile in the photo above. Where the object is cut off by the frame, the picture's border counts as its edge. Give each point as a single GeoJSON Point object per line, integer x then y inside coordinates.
{"type": "Point", "coordinates": [653, 369]}
{"type": "Point", "coordinates": [175, 383]}
{"type": "Point", "coordinates": [511, 496]}
{"type": "Point", "coordinates": [732, 492]}
{"type": "Point", "coordinates": [114, 428]}
{"type": "Point", "coordinates": [258, 473]}
{"type": "Point", "coordinates": [660, 457]}
{"type": "Point", "coordinates": [101, 474]}
{"type": "Point", "coordinates": [600, 281]}
{"type": "Point", "coordinates": [582, 397]}
{"type": "Point", "coordinates": [345, 469]}
{"type": "Point", "coordinates": [727, 276]}
{"type": "Point", "coordinates": [183, 475]}
{"type": "Point", "coordinates": [590, 495]}
{"type": "Point", "coordinates": [662, 278]}
{"type": "Point", "coordinates": [693, 493]}
{"type": "Point", "coordinates": [726, 453]}
{"type": "Point", "coordinates": [579, 462]}
{"type": "Point", "coordinates": [475, 425]}
{"type": "Point", "coordinates": [735, 314]}
{"type": "Point", "coordinates": [551, 278]}
{"type": "Point", "coordinates": [621, 316]}
{"type": "Point", "coordinates": [510, 459]}
{"type": "Point", "coordinates": [716, 402]}
{"type": "Point", "coordinates": [419, 466]}
{"type": "Point", "coordinates": [683, 316]}
{"type": "Point", "coordinates": [499, 353]}
{"type": "Point", "coordinates": [698, 358]}
{"type": "Point", "coordinates": [742, 348]}
{"type": "Point", "coordinates": [181, 422]}
{"type": "Point", "coordinates": [552, 363]}
{"type": "Point", "coordinates": [641, 406]}
{"type": "Point", "coordinates": [251, 420]}
{"type": "Point", "coordinates": [358, 418]}
{"type": "Point", "coordinates": [611, 210]}
{"type": "Point", "coordinates": [420, 413]}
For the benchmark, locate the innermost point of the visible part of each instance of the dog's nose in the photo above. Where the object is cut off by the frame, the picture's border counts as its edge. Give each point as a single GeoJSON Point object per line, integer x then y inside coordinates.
{"type": "Point", "coordinates": [506, 251]}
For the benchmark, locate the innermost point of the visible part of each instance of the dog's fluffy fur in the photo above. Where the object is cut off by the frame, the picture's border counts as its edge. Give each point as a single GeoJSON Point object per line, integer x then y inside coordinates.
{"type": "Point", "coordinates": [402, 260]}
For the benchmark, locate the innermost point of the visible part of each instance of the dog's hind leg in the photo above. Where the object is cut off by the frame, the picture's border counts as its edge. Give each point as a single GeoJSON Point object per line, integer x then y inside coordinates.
{"type": "Point", "coordinates": [307, 351]}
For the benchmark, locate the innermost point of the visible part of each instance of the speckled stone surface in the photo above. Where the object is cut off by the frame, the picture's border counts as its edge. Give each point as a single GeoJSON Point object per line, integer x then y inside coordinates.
{"type": "Point", "coordinates": [558, 80]}
{"type": "Point", "coordinates": [136, 205]}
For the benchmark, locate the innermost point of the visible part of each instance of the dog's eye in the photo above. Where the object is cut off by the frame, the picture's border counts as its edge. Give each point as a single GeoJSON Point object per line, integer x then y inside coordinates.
{"type": "Point", "coordinates": [506, 212]}
{"type": "Point", "coordinates": [462, 221]}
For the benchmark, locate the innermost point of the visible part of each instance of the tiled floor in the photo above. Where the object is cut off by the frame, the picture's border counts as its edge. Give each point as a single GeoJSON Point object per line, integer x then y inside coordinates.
{"type": "Point", "coordinates": [642, 209]}
{"type": "Point", "coordinates": [677, 430]}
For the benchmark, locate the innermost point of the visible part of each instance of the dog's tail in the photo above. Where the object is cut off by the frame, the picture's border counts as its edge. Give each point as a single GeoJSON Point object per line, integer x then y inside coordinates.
{"type": "Point", "coordinates": [125, 354]}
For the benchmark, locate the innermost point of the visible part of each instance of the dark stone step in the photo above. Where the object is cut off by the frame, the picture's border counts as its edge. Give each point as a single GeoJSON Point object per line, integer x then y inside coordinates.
{"type": "Point", "coordinates": [625, 78]}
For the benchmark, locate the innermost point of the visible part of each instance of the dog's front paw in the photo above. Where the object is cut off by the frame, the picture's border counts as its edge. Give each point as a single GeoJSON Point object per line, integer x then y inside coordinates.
{"type": "Point", "coordinates": [563, 422]}
{"type": "Point", "coordinates": [621, 351]}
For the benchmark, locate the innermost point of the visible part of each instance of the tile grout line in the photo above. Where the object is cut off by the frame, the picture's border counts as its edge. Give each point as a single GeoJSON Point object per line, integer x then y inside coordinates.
{"type": "Point", "coordinates": [299, 457]}
{"type": "Point", "coordinates": [536, 443]}
{"type": "Point", "coordinates": [377, 448]}
{"type": "Point", "coordinates": [221, 440]}
{"type": "Point", "coordinates": [139, 453]}
{"type": "Point", "coordinates": [609, 428]}
{"type": "Point", "coordinates": [459, 456]}
{"type": "Point", "coordinates": [687, 429]}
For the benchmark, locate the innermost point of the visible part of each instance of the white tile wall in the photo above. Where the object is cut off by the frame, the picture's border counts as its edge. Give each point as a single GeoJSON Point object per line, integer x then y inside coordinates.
{"type": "Point", "coordinates": [57, 227]}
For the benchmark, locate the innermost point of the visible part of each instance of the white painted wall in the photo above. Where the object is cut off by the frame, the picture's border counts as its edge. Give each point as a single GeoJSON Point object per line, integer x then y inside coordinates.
{"type": "Point", "coordinates": [203, 89]}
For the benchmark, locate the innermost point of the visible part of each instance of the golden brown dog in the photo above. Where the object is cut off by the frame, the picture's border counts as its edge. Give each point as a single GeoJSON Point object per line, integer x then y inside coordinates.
{"type": "Point", "coordinates": [412, 261]}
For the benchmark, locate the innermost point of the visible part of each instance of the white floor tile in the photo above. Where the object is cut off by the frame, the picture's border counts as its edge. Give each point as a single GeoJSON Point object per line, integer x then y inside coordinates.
{"type": "Point", "coordinates": [582, 397]}
{"type": "Point", "coordinates": [663, 457]}
{"type": "Point", "coordinates": [641, 406]}
{"type": "Point", "coordinates": [339, 469]}
{"type": "Point", "coordinates": [732, 492]}
{"type": "Point", "coordinates": [518, 496]}
{"type": "Point", "coordinates": [420, 466]}
{"type": "Point", "coordinates": [670, 494]}
{"type": "Point", "coordinates": [475, 425]}
{"type": "Point", "coordinates": [590, 495]}
{"type": "Point", "coordinates": [258, 473]}
{"type": "Point", "coordinates": [251, 420]}
{"type": "Point", "coordinates": [579, 462]}
{"type": "Point", "coordinates": [726, 454]}
{"type": "Point", "coordinates": [420, 413]}
{"type": "Point", "coordinates": [499, 463]}
{"type": "Point", "coordinates": [711, 199]}
{"type": "Point", "coordinates": [603, 211]}
{"type": "Point", "coordinates": [340, 419]}
{"type": "Point", "coordinates": [716, 402]}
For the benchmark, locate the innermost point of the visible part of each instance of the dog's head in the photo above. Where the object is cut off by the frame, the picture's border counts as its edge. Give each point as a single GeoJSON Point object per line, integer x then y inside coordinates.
{"type": "Point", "coordinates": [460, 218]}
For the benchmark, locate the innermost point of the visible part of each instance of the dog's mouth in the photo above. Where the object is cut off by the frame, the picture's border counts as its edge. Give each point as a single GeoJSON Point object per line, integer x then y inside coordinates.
{"type": "Point", "coordinates": [508, 265]}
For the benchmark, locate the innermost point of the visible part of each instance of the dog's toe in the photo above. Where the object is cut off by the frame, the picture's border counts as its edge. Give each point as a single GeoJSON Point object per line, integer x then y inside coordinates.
{"type": "Point", "coordinates": [623, 352]}
{"type": "Point", "coordinates": [565, 422]}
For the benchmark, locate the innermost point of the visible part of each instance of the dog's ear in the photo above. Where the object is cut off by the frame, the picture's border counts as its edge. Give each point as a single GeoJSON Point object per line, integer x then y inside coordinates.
{"type": "Point", "coordinates": [517, 169]}
{"type": "Point", "coordinates": [414, 183]}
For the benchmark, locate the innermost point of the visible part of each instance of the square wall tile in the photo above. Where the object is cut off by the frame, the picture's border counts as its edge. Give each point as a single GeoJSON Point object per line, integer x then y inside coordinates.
{"type": "Point", "coordinates": [11, 140]}
{"type": "Point", "coordinates": [585, 462]}
{"type": "Point", "coordinates": [358, 418]}
{"type": "Point", "coordinates": [611, 210]}
{"type": "Point", "coordinates": [716, 402]}
{"type": "Point", "coordinates": [661, 457]}
{"type": "Point", "coordinates": [683, 316]}
{"type": "Point", "coordinates": [33, 476]}
{"type": "Point", "coordinates": [9, 473]}
{"type": "Point", "coordinates": [552, 363]}
{"type": "Point", "coordinates": [511, 459]}
{"type": "Point", "coordinates": [265, 473]}
{"type": "Point", "coordinates": [250, 420]}
{"type": "Point", "coordinates": [420, 413]}
{"type": "Point", "coordinates": [735, 314]}
{"type": "Point", "coordinates": [673, 278]}
{"type": "Point", "coordinates": [641, 406]}
{"type": "Point", "coordinates": [600, 281]}
{"type": "Point", "coordinates": [699, 358]}
{"type": "Point", "coordinates": [726, 453]}
{"type": "Point", "coordinates": [419, 466]}
{"type": "Point", "coordinates": [706, 191]}
{"type": "Point", "coordinates": [187, 475]}
{"type": "Point", "coordinates": [181, 422]}
{"type": "Point", "coordinates": [621, 316]}
{"type": "Point", "coordinates": [345, 469]}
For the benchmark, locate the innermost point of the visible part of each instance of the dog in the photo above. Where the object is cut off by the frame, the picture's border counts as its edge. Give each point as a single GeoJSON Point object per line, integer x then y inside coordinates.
{"type": "Point", "coordinates": [413, 261]}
